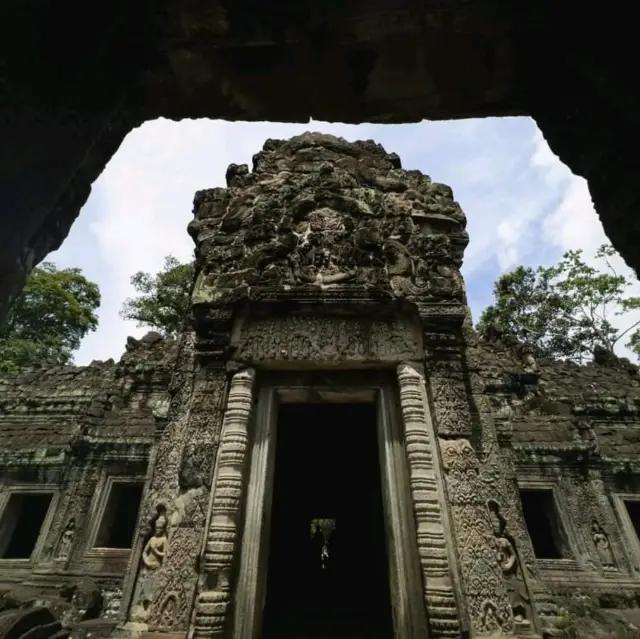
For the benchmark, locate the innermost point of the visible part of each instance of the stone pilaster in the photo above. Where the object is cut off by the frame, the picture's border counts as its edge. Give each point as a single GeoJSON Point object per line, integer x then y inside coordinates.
{"type": "Point", "coordinates": [220, 548]}
{"type": "Point", "coordinates": [428, 500]}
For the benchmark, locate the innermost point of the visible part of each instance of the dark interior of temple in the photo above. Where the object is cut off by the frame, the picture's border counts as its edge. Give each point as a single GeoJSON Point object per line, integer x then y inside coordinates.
{"type": "Point", "coordinates": [25, 514]}
{"type": "Point", "coordinates": [330, 582]}
{"type": "Point", "coordinates": [120, 516]}
{"type": "Point", "coordinates": [541, 520]}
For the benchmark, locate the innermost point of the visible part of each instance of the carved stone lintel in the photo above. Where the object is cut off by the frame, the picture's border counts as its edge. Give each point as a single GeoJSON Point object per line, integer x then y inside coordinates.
{"type": "Point", "coordinates": [327, 339]}
{"type": "Point", "coordinates": [426, 488]}
{"type": "Point", "coordinates": [222, 533]}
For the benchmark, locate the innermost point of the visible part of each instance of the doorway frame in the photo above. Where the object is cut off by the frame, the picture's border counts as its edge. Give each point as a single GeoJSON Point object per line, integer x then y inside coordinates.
{"type": "Point", "coordinates": [405, 579]}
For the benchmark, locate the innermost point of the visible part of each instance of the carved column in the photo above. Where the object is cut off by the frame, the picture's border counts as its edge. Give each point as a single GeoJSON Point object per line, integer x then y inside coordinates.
{"type": "Point", "coordinates": [428, 502]}
{"type": "Point", "coordinates": [222, 532]}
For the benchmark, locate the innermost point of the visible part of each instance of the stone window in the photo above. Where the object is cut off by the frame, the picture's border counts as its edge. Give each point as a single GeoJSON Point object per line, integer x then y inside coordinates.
{"type": "Point", "coordinates": [627, 510]}
{"type": "Point", "coordinates": [118, 522]}
{"type": "Point", "coordinates": [543, 524]}
{"type": "Point", "coordinates": [22, 522]}
{"type": "Point", "coordinates": [633, 510]}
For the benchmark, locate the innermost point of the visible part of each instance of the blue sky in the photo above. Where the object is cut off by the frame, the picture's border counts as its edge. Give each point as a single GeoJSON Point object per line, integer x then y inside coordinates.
{"type": "Point", "coordinates": [523, 205]}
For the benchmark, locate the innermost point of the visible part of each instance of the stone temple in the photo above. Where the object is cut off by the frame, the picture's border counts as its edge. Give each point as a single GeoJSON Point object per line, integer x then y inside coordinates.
{"type": "Point", "coordinates": [328, 450]}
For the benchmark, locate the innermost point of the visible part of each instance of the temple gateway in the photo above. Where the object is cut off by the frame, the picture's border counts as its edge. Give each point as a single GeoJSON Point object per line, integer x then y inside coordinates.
{"type": "Point", "coordinates": [328, 450]}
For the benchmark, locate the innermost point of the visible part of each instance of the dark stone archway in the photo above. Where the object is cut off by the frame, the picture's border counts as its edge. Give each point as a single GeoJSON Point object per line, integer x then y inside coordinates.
{"type": "Point", "coordinates": [75, 79]}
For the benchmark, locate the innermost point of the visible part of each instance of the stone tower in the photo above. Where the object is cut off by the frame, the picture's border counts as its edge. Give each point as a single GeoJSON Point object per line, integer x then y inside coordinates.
{"type": "Point", "coordinates": [326, 275]}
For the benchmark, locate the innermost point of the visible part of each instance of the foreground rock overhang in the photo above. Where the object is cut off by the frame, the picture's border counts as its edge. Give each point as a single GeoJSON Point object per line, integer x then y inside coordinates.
{"type": "Point", "coordinates": [70, 94]}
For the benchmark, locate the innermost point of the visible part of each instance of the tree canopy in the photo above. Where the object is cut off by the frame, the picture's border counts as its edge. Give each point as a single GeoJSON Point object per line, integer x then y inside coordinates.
{"type": "Point", "coordinates": [48, 320]}
{"type": "Point", "coordinates": [163, 299]}
{"type": "Point", "coordinates": [564, 311]}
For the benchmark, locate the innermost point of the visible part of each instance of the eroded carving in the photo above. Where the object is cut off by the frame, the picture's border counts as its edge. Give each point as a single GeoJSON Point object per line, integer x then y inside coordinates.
{"type": "Point", "coordinates": [319, 212]}
{"type": "Point", "coordinates": [509, 561]}
{"type": "Point", "coordinates": [482, 576]}
{"type": "Point", "coordinates": [490, 622]}
{"type": "Point", "coordinates": [220, 547]}
{"type": "Point", "coordinates": [154, 550]}
{"type": "Point", "coordinates": [168, 611]}
{"type": "Point", "coordinates": [603, 547]}
{"type": "Point", "coordinates": [66, 540]}
{"type": "Point", "coordinates": [197, 462]}
{"type": "Point", "coordinates": [425, 485]}
{"type": "Point", "coordinates": [328, 339]}
{"type": "Point", "coordinates": [451, 404]}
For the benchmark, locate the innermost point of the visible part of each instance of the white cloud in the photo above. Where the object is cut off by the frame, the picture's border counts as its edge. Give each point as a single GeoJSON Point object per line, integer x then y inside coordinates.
{"type": "Point", "coordinates": [573, 224]}
{"type": "Point", "coordinates": [521, 203]}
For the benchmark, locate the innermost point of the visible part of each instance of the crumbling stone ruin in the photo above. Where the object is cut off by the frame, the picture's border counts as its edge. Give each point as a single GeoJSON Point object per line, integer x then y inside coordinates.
{"type": "Point", "coordinates": [328, 373]}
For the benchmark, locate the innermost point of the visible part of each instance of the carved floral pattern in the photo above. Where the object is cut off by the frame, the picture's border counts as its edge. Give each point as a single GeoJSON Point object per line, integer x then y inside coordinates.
{"type": "Point", "coordinates": [481, 574]}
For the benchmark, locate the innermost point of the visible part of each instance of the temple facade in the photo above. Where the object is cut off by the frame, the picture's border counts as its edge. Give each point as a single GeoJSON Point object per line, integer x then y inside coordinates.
{"type": "Point", "coordinates": [328, 450]}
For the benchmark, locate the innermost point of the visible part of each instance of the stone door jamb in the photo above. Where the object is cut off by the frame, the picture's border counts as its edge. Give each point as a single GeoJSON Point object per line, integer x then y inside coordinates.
{"type": "Point", "coordinates": [404, 563]}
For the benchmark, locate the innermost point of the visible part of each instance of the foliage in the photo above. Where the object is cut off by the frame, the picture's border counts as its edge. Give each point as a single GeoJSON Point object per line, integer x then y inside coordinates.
{"type": "Point", "coordinates": [566, 310]}
{"type": "Point", "coordinates": [49, 318]}
{"type": "Point", "coordinates": [163, 299]}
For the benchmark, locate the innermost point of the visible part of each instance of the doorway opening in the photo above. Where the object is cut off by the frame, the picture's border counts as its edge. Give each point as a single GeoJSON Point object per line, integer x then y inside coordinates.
{"type": "Point", "coordinates": [328, 571]}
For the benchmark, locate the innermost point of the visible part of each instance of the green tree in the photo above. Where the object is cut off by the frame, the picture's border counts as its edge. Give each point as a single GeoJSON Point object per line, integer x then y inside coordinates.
{"type": "Point", "coordinates": [163, 299]}
{"type": "Point", "coordinates": [566, 310]}
{"type": "Point", "coordinates": [48, 320]}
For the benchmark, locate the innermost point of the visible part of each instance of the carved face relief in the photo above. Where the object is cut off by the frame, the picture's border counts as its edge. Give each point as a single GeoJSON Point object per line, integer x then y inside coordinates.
{"type": "Point", "coordinates": [160, 526]}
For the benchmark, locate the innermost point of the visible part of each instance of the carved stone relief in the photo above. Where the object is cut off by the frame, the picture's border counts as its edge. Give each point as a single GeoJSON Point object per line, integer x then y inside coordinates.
{"type": "Point", "coordinates": [180, 485]}
{"type": "Point", "coordinates": [426, 488]}
{"type": "Point", "coordinates": [197, 464]}
{"type": "Point", "coordinates": [66, 540]}
{"type": "Point", "coordinates": [168, 611]}
{"type": "Point", "coordinates": [348, 221]}
{"type": "Point", "coordinates": [451, 406]}
{"type": "Point", "coordinates": [220, 547]}
{"type": "Point", "coordinates": [483, 579]}
{"type": "Point", "coordinates": [154, 550]}
{"type": "Point", "coordinates": [603, 547]}
{"type": "Point", "coordinates": [77, 507]}
{"type": "Point", "coordinates": [327, 339]}
{"type": "Point", "coordinates": [511, 566]}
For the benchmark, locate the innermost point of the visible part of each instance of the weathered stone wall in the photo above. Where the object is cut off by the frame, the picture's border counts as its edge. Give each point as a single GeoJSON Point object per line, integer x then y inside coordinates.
{"type": "Point", "coordinates": [576, 430]}
{"type": "Point", "coordinates": [70, 430]}
{"type": "Point", "coordinates": [573, 427]}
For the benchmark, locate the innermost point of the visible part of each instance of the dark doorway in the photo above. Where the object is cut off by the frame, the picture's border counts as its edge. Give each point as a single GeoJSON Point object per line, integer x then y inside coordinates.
{"type": "Point", "coordinates": [328, 573]}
